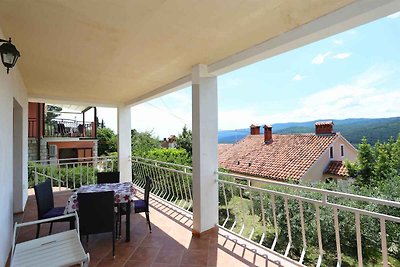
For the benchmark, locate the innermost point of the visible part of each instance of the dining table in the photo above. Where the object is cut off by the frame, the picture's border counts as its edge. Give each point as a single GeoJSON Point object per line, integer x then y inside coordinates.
{"type": "Point", "coordinates": [124, 194]}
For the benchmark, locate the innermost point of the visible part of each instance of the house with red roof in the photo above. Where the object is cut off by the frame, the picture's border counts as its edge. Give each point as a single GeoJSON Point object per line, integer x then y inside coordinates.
{"type": "Point", "coordinates": [300, 157]}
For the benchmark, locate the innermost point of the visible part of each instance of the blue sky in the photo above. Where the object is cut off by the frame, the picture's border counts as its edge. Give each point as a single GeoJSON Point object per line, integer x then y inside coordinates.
{"type": "Point", "coordinates": [353, 74]}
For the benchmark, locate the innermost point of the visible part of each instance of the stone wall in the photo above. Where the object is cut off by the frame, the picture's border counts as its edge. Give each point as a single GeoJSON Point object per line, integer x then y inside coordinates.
{"type": "Point", "coordinates": [95, 148]}
{"type": "Point", "coordinates": [32, 149]}
{"type": "Point", "coordinates": [43, 149]}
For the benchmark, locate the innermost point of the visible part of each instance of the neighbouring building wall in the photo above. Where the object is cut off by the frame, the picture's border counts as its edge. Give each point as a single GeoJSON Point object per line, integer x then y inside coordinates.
{"type": "Point", "coordinates": [61, 142]}
{"type": "Point", "coordinates": [82, 148]}
{"type": "Point", "coordinates": [315, 173]}
{"type": "Point", "coordinates": [13, 194]}
{"type": "Point", "coordinates": [350, 153]}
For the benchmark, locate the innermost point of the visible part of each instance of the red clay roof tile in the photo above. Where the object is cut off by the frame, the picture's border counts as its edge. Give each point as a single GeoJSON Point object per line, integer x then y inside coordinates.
{"type": "Point", "coordinates": [337, 168]}
{"type": "Point", "coordinates": [286, 157]}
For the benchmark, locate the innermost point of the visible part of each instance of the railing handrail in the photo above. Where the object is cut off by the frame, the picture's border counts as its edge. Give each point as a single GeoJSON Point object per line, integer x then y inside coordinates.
{"type": "Point", "coordinates": [170, 181]}
{"type": "Point", "coordinates": [78, 160]}
{"type": "Point", "coordinates": [315, 201]}
{"type": "Point", "coordinates": [166, 168]}
{"type": "Point", "coordinates": [71, 121]}
{"type": "Point", "coordinates": [47, 176]}
{"type": "Point", "coordinates": [323, 192]}
{"type": "Point", "coordinates": [162, 162]}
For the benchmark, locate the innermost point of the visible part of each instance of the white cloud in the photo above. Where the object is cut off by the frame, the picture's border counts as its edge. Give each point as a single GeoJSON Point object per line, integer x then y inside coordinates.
{"type": "Point", "coordinates": [361, 98]}
{"type": "Point", "coordinates": [343, 102]}
{"type": "Point", "coordinates": [338, 42]}
{"type": "Point", "coordinates": [394, 16]}
{"type": "Point", "coordinates": [375, 75]}
{"type": "Point", "coordinates": [342, 55]}
{"type": "Point", "coordinates": [298, 77]}
{"type": "Point", "coordinates": [320, 58]}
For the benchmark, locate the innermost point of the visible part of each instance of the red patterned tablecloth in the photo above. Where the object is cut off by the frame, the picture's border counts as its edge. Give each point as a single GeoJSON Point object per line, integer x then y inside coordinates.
{"type": "Point", "coordinates": [124, 192]}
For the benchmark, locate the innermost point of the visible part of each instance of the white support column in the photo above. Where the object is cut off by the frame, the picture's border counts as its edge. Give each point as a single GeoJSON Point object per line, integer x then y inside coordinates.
{"type": "Point", "coordinates": [205, 149]}
{"type": "Point", "coordinates": [124, 143]}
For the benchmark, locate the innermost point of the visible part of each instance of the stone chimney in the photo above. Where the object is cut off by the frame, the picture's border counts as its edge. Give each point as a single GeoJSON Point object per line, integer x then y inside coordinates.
{"type": "Point", "coordinates": [323, 127]}
{"type": "Point", "coordinates": [254, 129]}
{"type": "Point", "coordinates": [267, 133]}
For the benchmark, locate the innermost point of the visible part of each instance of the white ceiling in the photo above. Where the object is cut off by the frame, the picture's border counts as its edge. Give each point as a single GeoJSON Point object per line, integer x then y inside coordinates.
{"type": "Point", "coordinates": [114, 52]}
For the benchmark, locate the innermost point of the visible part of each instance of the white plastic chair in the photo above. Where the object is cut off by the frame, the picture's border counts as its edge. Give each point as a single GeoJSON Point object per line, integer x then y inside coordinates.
{"type": "Point", "coordinates": [61, 249]}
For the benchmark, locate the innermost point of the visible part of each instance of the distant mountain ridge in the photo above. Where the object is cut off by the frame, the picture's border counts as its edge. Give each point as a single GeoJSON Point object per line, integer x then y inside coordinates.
{"type": "Point", "coordinates": [352, 129]}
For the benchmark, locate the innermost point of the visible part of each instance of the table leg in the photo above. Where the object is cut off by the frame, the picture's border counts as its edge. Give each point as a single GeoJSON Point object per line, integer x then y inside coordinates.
{"type": "Point", "coordinates": [128, 222]}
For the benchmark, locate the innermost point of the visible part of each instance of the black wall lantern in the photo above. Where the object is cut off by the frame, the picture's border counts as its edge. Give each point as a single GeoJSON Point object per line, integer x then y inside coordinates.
{"type": "Point", "coordinates": [9, 54]}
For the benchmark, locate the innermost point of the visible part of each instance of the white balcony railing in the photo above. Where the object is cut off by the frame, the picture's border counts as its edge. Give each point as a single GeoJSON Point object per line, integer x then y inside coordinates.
{"type": "Point", "coordinates": [312, 226]}
{"type": "Point", "coordinates": [297, 220]}
{"type": "Point", "coordinates": [70, 173]}
{"type": "Point", "coordinates": [171, 182]}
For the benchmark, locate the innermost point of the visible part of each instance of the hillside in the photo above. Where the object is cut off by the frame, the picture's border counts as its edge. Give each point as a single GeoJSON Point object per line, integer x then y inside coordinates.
{"type": "Point", "coordinates": [352, 129]}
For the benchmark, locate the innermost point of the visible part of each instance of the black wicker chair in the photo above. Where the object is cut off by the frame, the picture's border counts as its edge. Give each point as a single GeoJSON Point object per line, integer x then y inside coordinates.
{"type": "Point", "coordinates": [107, 177]}
{"type": "Point", "coordinates": [97, 214]}
{"type": "Point", "coordinates": [142, 205]}
{"type": "Point", "coordinates": [45, 206]}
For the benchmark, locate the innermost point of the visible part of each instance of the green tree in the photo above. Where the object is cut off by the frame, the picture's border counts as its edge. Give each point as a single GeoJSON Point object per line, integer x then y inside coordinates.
{"type": "Point", "coordinates": [170, 155]}
{"type": "Point", "coordinates": [383, 168]}
{"type": "Point", "coordinates": [52, 113]}
{"type": "Point", "coordinates": [184, 140]}
{"type": "Point", "coordinates": [396, 155]}
{"type": "Point", "coordinates": [107, 141]}
{"type": "Point", "coordinates": [363, 169]}
{"type": "Point", "coordinates": [376, 164]}
{"type": "Point", "coordinates": [143, 142]}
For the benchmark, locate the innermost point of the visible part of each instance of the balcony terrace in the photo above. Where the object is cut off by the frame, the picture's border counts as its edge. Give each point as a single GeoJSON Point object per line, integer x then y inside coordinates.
{"type": "Point", "coordinates": [170, 244]}
{"type": "Point", "coordinates": [260, 223]}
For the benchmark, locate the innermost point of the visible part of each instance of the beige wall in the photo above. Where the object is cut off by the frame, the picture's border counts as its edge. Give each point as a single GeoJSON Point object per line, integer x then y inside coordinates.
{"type": "Point", "coordinates": [350, 153]}
{"type": "Point", "coordinates": [12, 93]}
{"type": "Point", "coordinates": [315, 173]}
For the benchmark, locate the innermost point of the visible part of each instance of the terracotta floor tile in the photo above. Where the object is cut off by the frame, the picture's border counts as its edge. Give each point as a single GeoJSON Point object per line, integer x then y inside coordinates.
{"type": "Point", "coordinates": [199, 243]}
{"type": "Point", "coordinates": [165, 265]}
{"type": "Point", "coordinates": [212, 257]}
{"type": "Point", "coordinates": [122, 251]}
{"type": "Point", "coordinates": [145, 254]}
{"type": "Point", "coordinates": [152, 241]}
{"type": "Point", "coordinates": [93, 262]}
{"type": "Point", "coordinates": [170, 255]}
{"type": "Point", "coordinates": [138, 263]}
{"type": "Point", "coordinates": [111, 262]}
{"type": "Point", "coordinates": [195, 257]}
